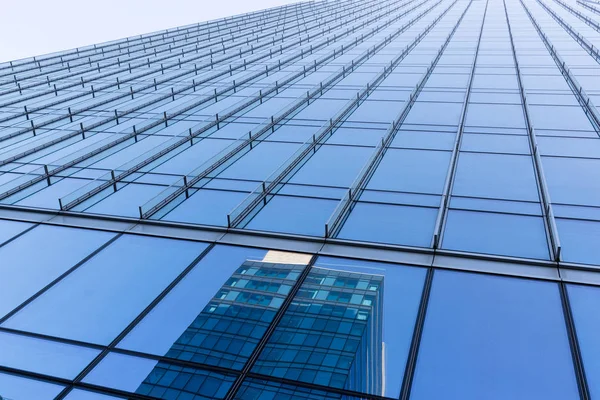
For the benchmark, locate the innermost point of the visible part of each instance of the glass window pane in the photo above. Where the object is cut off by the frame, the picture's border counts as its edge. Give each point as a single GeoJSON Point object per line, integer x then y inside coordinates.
{"type": "Point", "coordinates": [559, 172]}
{"type": "Point", "coordinates": [579, 240]}
{"type": "Point", "coordinates": [384, 223]}
{"type": "Point", "coordinates": [585, 303]}
{"type": "Point", "coordinates": [289, 214]}
{"type": "Point", "coordinates": [497, 176]}
{"type": "Point", "coordinates": [493, 233]}
{"type": "Point", "coordinates": [158, 379]}
{"type": "Point", "coordinates": [255, 389]}
{"type": "Point", "coordinates": [24, 272]}
{"type": "Point", "coordinates": [414, 171]}
{"type": "Point", "coordinates": [9, 229]}
{"type": "Point", "coordinates": [490, 337]}
{"type": "Point", "coordinates": [83, 395]}
{"type": "Point", "coordinates": [333, 166]}
{"type": "Point", "coordinates": [218, 313]}
{"type": "Point", "coordinates": [13, 387]}
{"type": "Point", "coordinates": [99, 299]}
{"type": "Point", "coordinates": [349, 327]}
{"type": "Point", "coordinates": [209, 207]}
{"type": "Point", "coordinates": [44, 356]}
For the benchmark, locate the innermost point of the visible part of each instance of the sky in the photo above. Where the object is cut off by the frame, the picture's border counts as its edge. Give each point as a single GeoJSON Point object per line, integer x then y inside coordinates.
{"type": "Point", "coordinates": [35, 27]}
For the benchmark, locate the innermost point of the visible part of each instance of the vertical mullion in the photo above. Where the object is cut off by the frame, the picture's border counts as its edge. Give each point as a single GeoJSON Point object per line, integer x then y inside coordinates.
{"type": "Point", "coordinates": [411, 361]}
{"type": "Point", "coordinates": [273, 325]}
{"type": "Point", "coordinates": [584, 390]}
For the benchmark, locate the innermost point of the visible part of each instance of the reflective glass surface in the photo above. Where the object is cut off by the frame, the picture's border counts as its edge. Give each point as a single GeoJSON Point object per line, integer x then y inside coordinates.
{"type": "Point", "coordinates": [97, 301]}
{"type": "Point", "coordinates": [493, 337]}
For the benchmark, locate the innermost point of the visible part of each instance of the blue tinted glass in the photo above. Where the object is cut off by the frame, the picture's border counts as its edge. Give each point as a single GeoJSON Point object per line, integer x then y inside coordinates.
{"type": "Point", "coordinates": [430, 113]}
{"type": "Point", "coordinates": [261, 161]}
{"type": "Point", "coordinates": [585, 302]}
{"type": "Point", "coordinates": [513, 177]}
{"type": "Point", "coordinates": [560, 117]}
{"type": "Point", "coordinates": [333, 166]}
{"type": "Point", "coordinates": [192, 157]}
{"type": "Point", "coordinates": [349, 327]}
{"type": "Point", "coordinates": [82, 395]}
{"type": "Point", "coordinates": [301, 215]}
{"type": "Point", "coordinates": [126, 200]}
{"type": "Point", "coordinates": [24, 272]}
{"type": "Point", "coordinates": [564, 189]}
{"type": "Point", "coordinates": [17, 387]}
{"type": "Point", "coordinates": [256, 389]}
{"type": "Point", "coordinates": [47, 197]}
{"type": "Point", "coordinates": [208, 207]}
{"type": "Point", "coordinates": [43, 356]}
{"type": "Point", "coordinates": [496, 115]}
{"type": "Point", "coordinates": [8, 229]}
{"type": "Point", "coordinates": [97, 301]}
{"type": "Point", "coordinates": [158, 379]}
{"type": "Point", "coordinates": [518, 144]}
{"type": "Point", "coordinates": [218, 313]}
{"type": "Point", "coordinates": [489, 337]}
{"type": "Point", "coordinates": [424, 140]}
{"type": "Point", "coordinates": [579, 240]}
{"type": "Point", "coordinates": [411, 226]}
{"type": "Point", "coordinates": [411, 171]}
{"type": "Point", "coordinates": [492, 233]}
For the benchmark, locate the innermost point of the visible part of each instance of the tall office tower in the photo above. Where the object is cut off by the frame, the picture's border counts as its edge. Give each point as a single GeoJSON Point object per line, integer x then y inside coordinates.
{"type": "Point", "coordinates": [213, 211]}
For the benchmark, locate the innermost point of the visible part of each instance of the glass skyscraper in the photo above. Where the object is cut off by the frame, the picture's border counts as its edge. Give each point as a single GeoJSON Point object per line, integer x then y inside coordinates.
{"type": "Point", "coordinates": [343, 199]}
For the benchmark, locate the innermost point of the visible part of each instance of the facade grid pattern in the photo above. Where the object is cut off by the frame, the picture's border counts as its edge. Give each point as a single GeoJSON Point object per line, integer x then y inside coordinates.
{"type": "Point", "coordinates": [340, 199]}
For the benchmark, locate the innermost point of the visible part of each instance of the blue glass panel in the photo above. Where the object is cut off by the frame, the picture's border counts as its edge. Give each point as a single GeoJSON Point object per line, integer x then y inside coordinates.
{"type": "Point", "coordinates": [424, 140]}
{"type": "Point", "coordinates": [411, 171]}
{"type": "Point", "coordinates": [513, 177]}
{"type": "Point", "coordinates": [130, 152]}
{"type": "Point", "coordinates": [333, 166]}
{"type": "Point", "coordinates": [158, 379]}
{"type": "Point", "coordinates": [490, 337]}
{"type": "Point", "coordinates": [301, 215]}
{"type": "Point", "coordinates": [559, 117]}
{"type": "Point", "coordinates": [9, 229]}
{"type": "Point", "coordinates": [256, 389]}
{"type": "Point", "coordinates": [430, 113]}
{"type": "Point", "coordinates": [569, 146]}
{"type": "Point", "coordinates": [335, 332]}
{"type": "Point", "coordinates": [48, 196]}
{"type": "Point", "coordinates": [218, 313]}
{"type": "Point", "coordinates": [377, 111]}
{"type": "Point", "coordinates": [20, 388]}
{"type": "Point", "coordinates": [261, 161]}
{"type": "Point", "coordinates": [356, 136]}
{"type": "Point", "coordinates": [43, 356]}
{"type": "Point", "coordinates": [517, 144]}
{"type": "Point", "coordinates": [579, 240]}
{"type": "Point", "coordinates": [126, 200]}
{"type": "Point", "coordinates": [383, 223]}
{"type": "Point", "coordinates": [99, 299]}
{"type": "Point", "coordinates": [192, 157]}
{"type": "Point", "coordinates": [491, 233]}
{"type": "Point", "coordinates": [496, 115]}
{"type": "Point", "coordinates": [564, 189]}
{"type": "Point", "coordinates": [585, 302]}
{"type": "Point", "coordinates": [24, 272]}
{"type": "Point", "coordinates": [208, 207]}
{"type": "Point", "coordinates": [83, 395]}
{"type": "Point", "coordinates": [344, 284]}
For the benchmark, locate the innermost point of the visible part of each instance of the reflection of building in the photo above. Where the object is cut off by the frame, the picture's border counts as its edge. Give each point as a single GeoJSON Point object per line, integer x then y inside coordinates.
{"type": "Point", "coordinates": [332, 333]}
{"type": "Point", "coordinates": [228, 329]}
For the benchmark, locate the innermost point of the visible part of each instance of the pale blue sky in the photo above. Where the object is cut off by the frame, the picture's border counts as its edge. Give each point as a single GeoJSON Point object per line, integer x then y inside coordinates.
{"type": "Point", "coordinates": [34, 27]}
